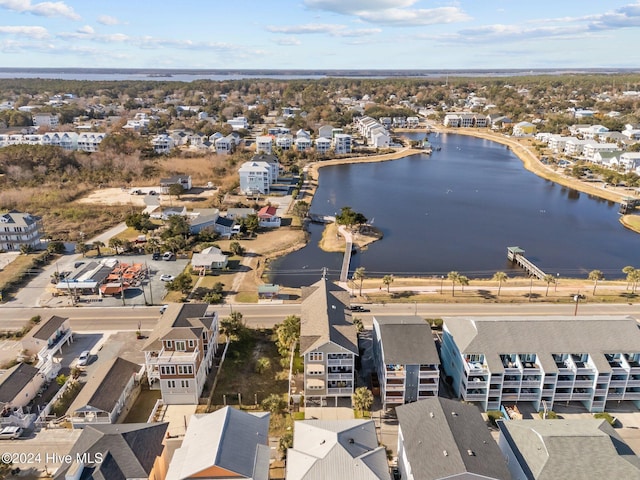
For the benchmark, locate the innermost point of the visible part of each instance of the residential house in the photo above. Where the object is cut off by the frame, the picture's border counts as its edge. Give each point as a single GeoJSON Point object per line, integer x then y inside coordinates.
{"type": "Point", "coordinates": [19, 385]}
{"type": "Point", "coordinates": [399, 122]}
{"type": "Point", "coordinates": [579, 448]}
{"type": "Point", "coordinates": [239, 123]}
{"type": "Point", "coordinates": [413, 122]}
{"type": "Point", "coordinates": [323, 145]}
{"type": "Point", "coordinates": [524, 129]}
{"type": "Point", "coordinates": [20, 229]}
{"type": "Point", "coordinates": [328, 343]}
{"type": "Point", "coordinates": [590, 149]}
{"type": "Point", "coordinates": [342, 143]}
{"type": "Point", "coordinates": [162, 143]}
{"type": "Point", "coordinates": [630, 160]}
{"type": "Point", "coordinates": [225, 444]}
{"type": "Point", "coordinates": [268, 291]}
{"type": "Point", "coordinates": [264, 144]}
{"type": "Point", "coordinates": [607, 159]}
{"type": "Point", "coordinates": [224, 146]}
{"type": "Point", "coordinates": [123, 451]}
{"type": "Point", "coordinates": [345, 449]}
{"type": "Point", "coordinates": [557, 143]}
{"type": "Point", "coordinates": [108, 393]}
{"type": "Point", "coordinates": [255, 177]}
{"type": "Point", "coordinates": [211, 258]}
{"type": "Point", "coordinates": [237, 213]}
{"type": "Point", "coordinates": [224, 227]}
{"type": "Point", "coordinates": [405, 358]}
{"type": "Point", "coordinates": [46, 339]}
{"type": "Point", "coordinates": [45, 120]}
{"type": "Point", "coordinates": [90, 142]}
{"type": "Point", "coordinates": [302, 144]}
{"type": "Point", "coordinates": [325, 131]}
{"type": "Point", "coordinates": [442, 439]}
{"type": "Point", "coordinates": [202, 219]}
{"type": "Point", "coordinates": [182, 180]}
{"type": "Point", "coordinates": [268, 217]}
{"type": "Point", "coordinates": [574, 147]}
{"type": "Point", "coordinates": [585, 360]}
{"type": "Point", "coordinates": [179, 352]}
{"type": "Point", "coordinates": [284, 141]}
{"type": "Point", "coordinates": [452, 120]}
{"type": "Point", "coordinates": [167, 212]}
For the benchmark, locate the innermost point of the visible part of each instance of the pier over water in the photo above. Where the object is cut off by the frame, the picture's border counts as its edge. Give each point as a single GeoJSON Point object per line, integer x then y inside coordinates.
{"type": "Point", "coordinates": [516, 255]}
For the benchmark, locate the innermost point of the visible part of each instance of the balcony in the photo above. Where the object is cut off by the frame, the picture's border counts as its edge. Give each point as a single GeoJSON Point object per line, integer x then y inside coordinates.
{"type": "Point", "coordinates": [429, 368]}
{"type": "Point", "coordinates": [340, 376]}
{"type": "Point", "coordinates": [340, 362]}
{"type": "Point", "coordinates": [394, 400]}
{"type": "Point", "coordinates": [511, 384]}
{"type": "Point", "coordinates": [339, 391]}
{"type": "Point", "coordinates": [618, 383]}
{"type": "Point", "coordinates": [476, 382]}
{"type": "Point", "coordinates": [173, 356]}
{"type": "Point", "coordinates": [475, 368]}
{"type": "Point", "coordinates": [474, 395]}
{"type": "Point", "coordinates": [395, 373]}
{"type": "Point", "coordinates": [530, 383]}
{"type": "Point", "coordinates": [426, 393]}
{"type": "Point", "coordinates": [632, 396]}
{"type": "Point", "coordinates": [393, 387]}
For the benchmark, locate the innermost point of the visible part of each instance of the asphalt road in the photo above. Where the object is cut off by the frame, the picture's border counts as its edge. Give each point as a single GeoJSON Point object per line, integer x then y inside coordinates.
{"type": "Point", "coordinates": [88, 318]}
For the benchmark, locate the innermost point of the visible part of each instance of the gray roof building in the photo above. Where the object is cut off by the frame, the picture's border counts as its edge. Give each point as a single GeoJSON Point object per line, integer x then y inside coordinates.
{"type": "Point", "coordinates": [120, 451]}
{"type": "Point", "coordinates": [14, 381]}
{"type": "Point", "coordinates": [45, 330]}
{"type": "Point", "coordinates": [551, 449]}
{"type": "Point", "coordinates": [440, 438]}
{"type": "Point", "coordinates": [228, 443]}
{"type": "Point", "coordinates": [407, 340]}
{"type": "Point", "coordinates": [345, 449]}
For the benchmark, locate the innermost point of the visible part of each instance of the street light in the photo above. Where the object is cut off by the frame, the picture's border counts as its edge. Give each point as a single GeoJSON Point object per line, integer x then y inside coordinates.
{"type": "Point", "coordinates": [441, 283]}
{"type": "Point", "coordinates": [555, 288]}
{"type": "Point", "coordinates": [576, 298]}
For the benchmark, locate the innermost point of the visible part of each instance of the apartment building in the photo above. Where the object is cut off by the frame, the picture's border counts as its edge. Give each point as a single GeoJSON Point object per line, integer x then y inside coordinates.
{"type": "Point", "coordinates": [179, 353]}
{"type": "Point", "coordinates": [405, 358]}
{"type": "Point", "coordinates": [45, 120]}
{"type": "Point", "coordinates": [18, 229]}
{"type": "Point", "coordinates": [342, 143]}
{"type": "Point", "coordinates": [328, 343]}
{"type": "Point", "coordinates": [586, 360]}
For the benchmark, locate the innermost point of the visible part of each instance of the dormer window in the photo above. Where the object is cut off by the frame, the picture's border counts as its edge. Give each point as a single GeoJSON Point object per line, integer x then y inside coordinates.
{"type": "Point", "coordinates": [181, 346]}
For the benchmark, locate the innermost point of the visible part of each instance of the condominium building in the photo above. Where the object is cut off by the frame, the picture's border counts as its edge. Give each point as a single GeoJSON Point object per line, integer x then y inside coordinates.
{"type": "Point", "coordinates": [342, 143]}
{"type": "Point", "coordinates": [179, 353]}
{"type": "Point", "coordinates": [328, 343]}
{"type": "Point", "coordinates": [405, 358]}
{"type": "Point", "coordinates": [586, 360]}
{"type": "Point", "coordinates": [264, 144]}
{"type": "Point", "coordinates": [18, 229]}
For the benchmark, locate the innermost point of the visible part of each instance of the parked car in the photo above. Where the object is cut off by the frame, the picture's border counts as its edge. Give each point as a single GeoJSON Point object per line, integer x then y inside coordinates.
{"type": "Point", "coordinates": [155, 256]}
{"type": "Point", "coordinates": [359, 308]}
{"type": "Point", "coordinates": [83, 359]}
{"type": "Point", "coordinates": [168, 256]}
{"type": "Point", "coordinates": [167, 278]}
{"type": "Point", "coordinates": [153, 192]}
{"type": "Point", "coordinates": [163, 309]}
{"type": "Point", "coordinates": [10, 433]}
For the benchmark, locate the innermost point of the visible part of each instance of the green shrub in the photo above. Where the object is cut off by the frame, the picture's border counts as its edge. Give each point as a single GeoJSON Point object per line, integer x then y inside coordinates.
{"type": "Point", "coordinates": [435, 323]}
{"type": "Point", "coordinates": [494, 416]}
{"type": "Point", "coordinates": [607, 416]}
{"type": "Point", "coordinates": [551, 415]}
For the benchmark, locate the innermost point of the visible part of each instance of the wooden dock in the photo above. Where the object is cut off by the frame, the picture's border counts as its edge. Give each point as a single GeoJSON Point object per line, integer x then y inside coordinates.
{"type": "Point", "coordinates": [516, 255]}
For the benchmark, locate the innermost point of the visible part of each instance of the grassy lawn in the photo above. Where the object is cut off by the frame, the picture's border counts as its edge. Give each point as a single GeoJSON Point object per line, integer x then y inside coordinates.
{"type": "Point", "coordinates": [16, 272]}
{"type": "Point", "coordinates": [239, 376]}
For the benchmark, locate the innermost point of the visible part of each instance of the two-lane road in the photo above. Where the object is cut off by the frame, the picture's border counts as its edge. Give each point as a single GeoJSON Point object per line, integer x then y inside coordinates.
{"type": "Point", "coordinates": [267, 315]}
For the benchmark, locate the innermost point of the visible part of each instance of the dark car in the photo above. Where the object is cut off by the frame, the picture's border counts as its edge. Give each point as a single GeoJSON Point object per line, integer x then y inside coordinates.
{"type": "Point", "coordinates": [359, 308]}
{"type": "Point", "coordinates": [155, 256]}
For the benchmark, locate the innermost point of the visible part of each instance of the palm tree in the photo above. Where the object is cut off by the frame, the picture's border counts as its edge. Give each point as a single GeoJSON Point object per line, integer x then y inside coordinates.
{"type": "Point", "coordinates": [634, 277]}
{"type": "Point", "coordinates": [362, 399]}
{"type": "Point", "coordinates": [360, 274]}
{"type": "Point", "coordinates": [500, 277]}
{"type": "Point", "coordinates": [387, 280]}
{"type": "Point", "coordinates": [548, 279]}
{"type": "Point", "coordinates": [97, 244]}
{"type": "Point", "coordinates": [595, 275]}
{"type": "Point", "coordinates": [464, 281]}
{"type": "Point", "coordinates": [628, 270]}
{"type": "Point", "coordinates": [115, 243]}
{"type": "Point", "coordinates": [454, 277]}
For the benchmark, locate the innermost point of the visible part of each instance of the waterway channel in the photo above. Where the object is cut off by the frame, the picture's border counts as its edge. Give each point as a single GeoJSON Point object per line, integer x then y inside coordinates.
{"type": "Point", "coordinates": [459, 209]}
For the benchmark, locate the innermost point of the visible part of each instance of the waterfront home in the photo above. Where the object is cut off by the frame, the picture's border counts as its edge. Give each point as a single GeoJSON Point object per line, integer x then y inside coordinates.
{"type": "Point", "coordinates": [585, 448]}
{"type": "Point", "coordinates": [630, 160]}
{"type": "Point", "coordinates": [405, 358]}
{"type": "Point", "coordinates": [590, 149]}
{"type": "Point", "coordinates": [342, 143]}
{"type": "Point", "coordinates": [444, 439]}
{"type": "Point", "coordinates": [130, 450]}
{"type": "Point", "coordinates": [179, 352]}
{"type": "Point", "coordinates": [302, 144]}
{"type": "Point", "coordinates": [284, 141]}
{"type": "Point", "coordinates": [19, 230]}
{"type": "Point", "coordinates": [557, 143]}
{"type": "Point", "coordinates": [109, 392]}
{"type": "Point", "coordinates": [585, 361]}
{"type": "Point", "coordinates": [325, 131]}
{"type": "Point", "coordinates": [210, 259]}
{"type": "Point", "coordinates": [413, 122]}
{"type": "Point", "coordinates": [607, 159]}
{"type": "Point", "coordinates": [268, 217]}
{"type": "Point", "coordinates": [524, 129]}
{"type": "Point", "coordinates": [340, 449]}
{"type": "Point", "coordinates": [323, 145]}
{"type": "Point", "coordinates": [227, 443]}
{"type": "Point", "coordinates": [574, 147]}
{"type": "Point", "coordinates": [328, 344]}
{"type": "Point", "coordinates": [255, 178]}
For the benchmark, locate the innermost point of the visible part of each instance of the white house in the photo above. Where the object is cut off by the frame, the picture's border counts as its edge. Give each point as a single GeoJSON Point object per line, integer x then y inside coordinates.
{"type": "Point", "coordinates": [325, 131]}
{"type": "Point", "coordinates": [162, 143]}
{"type": "Point", "coordinates": [224, 146]}
{"type": "Point", "coordinates": [45, 120]}
{"type": "Point", "coordinates": [238, 123]}
{"type": "Point", "coordinates": [284, 141]}
{"type": "Point", "coordinates": [590, 149]}
{"type": "Point", "coordinates": [342, 143]}
{"type": "Point", "coordinates": [302, 144]}
{"type": "Point", "coordinates": [630, 160]}
{"type": "Point", "coordinates": [323, 145]}
{"type": "Point", "coordinates": [209, 259]}
{"type": "Point", "coordinates": [264, 144]}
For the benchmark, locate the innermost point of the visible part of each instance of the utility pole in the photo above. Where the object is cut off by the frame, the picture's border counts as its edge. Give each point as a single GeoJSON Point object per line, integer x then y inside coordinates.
{"type": "Point", "coordinates": [146, 275]}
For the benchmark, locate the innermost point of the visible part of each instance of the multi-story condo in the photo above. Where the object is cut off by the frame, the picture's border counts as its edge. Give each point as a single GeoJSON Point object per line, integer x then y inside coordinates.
{"type": "Point", "coordinates": [46, 120]}
{"type": "Point", "coordinates": [323, 145]}
{"type": "Point", "coordinates": [342, 143]}
{"type": "Point", "coordinates": [328, 343]}
{"type": "Point", "coordinates": [587, 360]}
{"type": "Point", "coordinates": [255, 177]}
{"type": "Point", "coordinates": [264, 144]}
{"type": "Point", "coordinates": [18, 229]}
{"type": "Point", "coordinates": [405, 358]}
{"type": "Point", "coordinates": [179, 353]}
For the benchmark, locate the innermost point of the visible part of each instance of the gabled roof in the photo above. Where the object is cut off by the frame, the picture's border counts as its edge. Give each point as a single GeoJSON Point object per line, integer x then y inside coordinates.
{"type": "Point", "coordinates": [19, 219]}
{"type": "Point", "coordinates": [129, 450]}
{"type": "Point", "coordinates": [583, 448]}
{"type": "Point", "coordinates": [179, 318]}
{"type": "Point", "coordinates": [346, 449]}
{"type": "Point", "coordinates": [46, 329]}
{"type": "Point", "coordinates": [14, 380]}
{"type": "Point", "coordinates": [443, 438]}
{"type": "Point", "coordinates": [225, 222]}
{"type": "Point", "coordinates": [325, 318]}
{"type": "Point", "coordinates": [407, 340]}
{"type": "Point", "coordinates": [104, 387]}
{"type": "Point", "coordinates": [229, 441]}
{"type": "Point", "coordinates": [268, 210]}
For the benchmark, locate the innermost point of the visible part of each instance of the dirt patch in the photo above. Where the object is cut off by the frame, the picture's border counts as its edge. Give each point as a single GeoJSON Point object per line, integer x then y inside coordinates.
{"type": "Point", "coordinates": [333, 241]}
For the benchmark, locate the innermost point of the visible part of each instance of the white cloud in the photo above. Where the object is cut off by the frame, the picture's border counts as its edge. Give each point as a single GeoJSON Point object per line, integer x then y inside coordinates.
{"type": "Point", "coordinates": [288, 41]}
{"type": "Point", "coordinates": [351, 7]}
{"type": "Point", "coordinates": [86, 30]}
{"type": "Point", "coordinates": [43, 9]}
{"type": "Point", "coordinates": [25, 31]}
{"type": "Point", "coordinates": [108, 20]}
{"type": "Point", "coordinates": [323, 28]}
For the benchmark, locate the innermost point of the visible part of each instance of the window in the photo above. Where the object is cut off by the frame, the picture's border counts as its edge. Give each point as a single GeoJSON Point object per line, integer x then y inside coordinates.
{"type": "Point", "coordinates": [316, 357]}
{"type": "Point", "coordinates": [313, 371]}
{"type": "Point", "coordinates": [191, 343]}
{"type": "Point", "coordinates": [168, 344]}
{"type": "Point", "coordinates": [171, 383]}
{"type": "Point", "coordinates": [181, 346]}
{"type": "Point", "coordinates": [185, 369]}
{"type": "Point", "coordinates": [167, 370]}
{"type": "Point", "coordinates": [184, 383]}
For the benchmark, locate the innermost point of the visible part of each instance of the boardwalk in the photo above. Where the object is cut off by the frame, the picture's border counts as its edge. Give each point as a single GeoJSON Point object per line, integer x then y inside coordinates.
{"type": "Point", "coordinates": [346, 260]}
{"type": "Point", "coordinates": [516, 255]}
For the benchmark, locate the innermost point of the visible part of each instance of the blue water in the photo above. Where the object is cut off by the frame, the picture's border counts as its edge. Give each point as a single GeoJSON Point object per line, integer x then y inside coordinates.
{"type": "Point", "coordinates": [459, 209]}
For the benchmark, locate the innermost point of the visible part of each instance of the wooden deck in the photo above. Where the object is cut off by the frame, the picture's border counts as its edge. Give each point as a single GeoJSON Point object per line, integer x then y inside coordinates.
{"type": "Point", "coordinates": [516, 255]}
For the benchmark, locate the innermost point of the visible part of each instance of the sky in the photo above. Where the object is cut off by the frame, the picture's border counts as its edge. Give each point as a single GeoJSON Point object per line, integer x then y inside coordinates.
{"type": "Point", "coordinates": [320, 34]}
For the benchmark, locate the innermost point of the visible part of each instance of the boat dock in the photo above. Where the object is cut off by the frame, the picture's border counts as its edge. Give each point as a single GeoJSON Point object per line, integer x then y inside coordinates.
{"type": "Point", "coordinates": [628, 205]}
{"type": "Point", "coordinates": [516, 255]}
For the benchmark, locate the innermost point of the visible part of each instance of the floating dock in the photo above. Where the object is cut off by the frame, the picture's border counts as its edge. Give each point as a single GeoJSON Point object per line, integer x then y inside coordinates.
{"type": "Point", "coordinates": [516, 255]}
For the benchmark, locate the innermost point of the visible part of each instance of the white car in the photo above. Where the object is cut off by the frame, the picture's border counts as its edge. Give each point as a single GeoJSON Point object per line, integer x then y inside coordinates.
{"type": "Point", "coordinates": [83, 359]}
{"type": "Point", "coordinates": [163, 309]}
{"type": "Point", "coordinates": [167, 278]}
{"type": "Point", "coordinates": [10, 433]}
